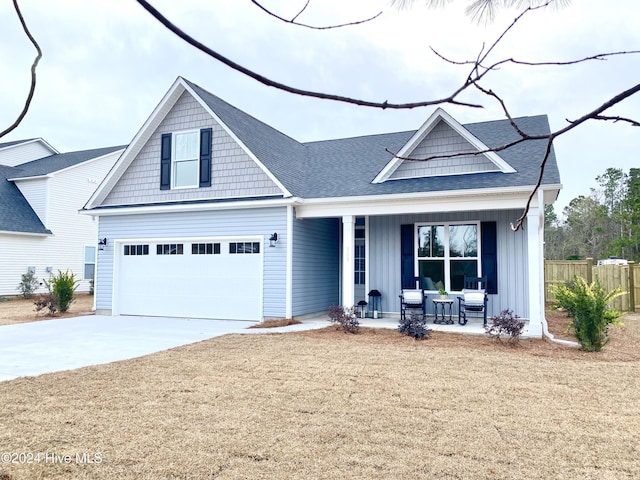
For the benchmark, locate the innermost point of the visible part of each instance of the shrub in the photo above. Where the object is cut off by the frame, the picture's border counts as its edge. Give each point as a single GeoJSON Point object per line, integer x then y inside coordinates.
{"type": "Point", "coordinates": [345, 317]}
{"type": "Point", "coordinates": [61, 287]}
{"type": "Point", "coordinates": [414, 326]}
{"type": "Point", "coordinates": [589, 312]}
{"type": "Point", "coordinates": [46, 300]}
{"type": "Point", "coordinates": [28, 285]}
{"type": "Point", "coordinates": [506, 324]}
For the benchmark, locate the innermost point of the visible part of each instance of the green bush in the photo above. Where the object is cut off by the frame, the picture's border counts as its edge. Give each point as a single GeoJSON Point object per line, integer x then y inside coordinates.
{"type": "Point", "coordinates": [62, 287]}
{"type": "Point", "coordinates": [28, 285]}
{"type": "Point", "coordinates": [587, 305]}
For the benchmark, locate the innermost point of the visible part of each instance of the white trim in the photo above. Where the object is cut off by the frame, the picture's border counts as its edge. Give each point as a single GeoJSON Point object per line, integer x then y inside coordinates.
{"type": "Point", "coordinates": [348, 287]}
{"type": "Point", "coordinates": [417, 202]}
{"type": "Point", "coordinates": [188, 207]}
{"type": "Point", "coordinates": [424, 130]}
{"type": "Point", "coordinates": [26, 234]}
{"type": "Point", "coordinates": [289, 268]}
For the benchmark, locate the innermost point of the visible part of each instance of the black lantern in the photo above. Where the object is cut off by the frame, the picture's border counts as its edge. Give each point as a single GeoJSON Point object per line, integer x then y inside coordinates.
{"type": "Point", "coordinates": [362, 309]}
{"type": "Point", "coordinates": [375, 311]}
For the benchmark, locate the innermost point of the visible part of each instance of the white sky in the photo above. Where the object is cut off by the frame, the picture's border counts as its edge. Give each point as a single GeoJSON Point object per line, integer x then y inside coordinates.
{"type": "Point", "coordinates": [107, 64]}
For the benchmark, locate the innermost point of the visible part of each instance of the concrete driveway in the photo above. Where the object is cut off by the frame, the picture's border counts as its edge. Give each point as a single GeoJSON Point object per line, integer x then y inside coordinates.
{"type": "Point", "coordinates": [34, 348]}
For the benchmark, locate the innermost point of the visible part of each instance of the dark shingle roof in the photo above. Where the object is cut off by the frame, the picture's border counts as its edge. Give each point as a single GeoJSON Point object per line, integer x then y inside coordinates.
{"type": "Point", "coordinates": [16, 215]}
{"type": "Point", "coordinates": [60, 161]}
{"type": "Point", "coordinates": [346, 167]}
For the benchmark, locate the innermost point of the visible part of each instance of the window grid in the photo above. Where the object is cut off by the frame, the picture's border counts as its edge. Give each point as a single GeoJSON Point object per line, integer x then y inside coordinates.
{"type": "Point", "coordinates": [170, 249]}
{"type": "Point", "coordinates": [205, 249]}
{"type": "Point", "coordinates": [244, 247]}
{"type": "Point", "coordinates": [136, 249]}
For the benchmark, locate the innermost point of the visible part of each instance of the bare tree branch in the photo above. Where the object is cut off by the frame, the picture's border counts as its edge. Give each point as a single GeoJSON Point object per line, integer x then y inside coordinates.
{"type": "Point", "coordinates": [451, 99]}
{"type": "Point", "coordinates": [634, 123]}
{"type": "Point", "coordinates": [294, 22]}
{"type": "Point", "coordinates": [32, 88]}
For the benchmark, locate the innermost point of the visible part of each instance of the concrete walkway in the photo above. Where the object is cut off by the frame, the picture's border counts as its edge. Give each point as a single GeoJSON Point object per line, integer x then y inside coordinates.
{"type": "Point", "coordinates": [29, 349]}
{"type": "Point", "coordinates": [34, 348]}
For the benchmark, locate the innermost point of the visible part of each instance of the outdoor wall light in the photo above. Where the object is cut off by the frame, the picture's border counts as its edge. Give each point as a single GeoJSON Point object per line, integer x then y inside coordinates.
{"type": "Point", "coordinates": [102, 242]}
{"type": "Point", "coordinates": [272, 240]}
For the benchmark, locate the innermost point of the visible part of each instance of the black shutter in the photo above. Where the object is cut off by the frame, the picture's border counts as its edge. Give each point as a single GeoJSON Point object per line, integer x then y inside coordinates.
{"type": "Point", "coordinates": [407, 262]}
{"type": "Point", "coordinates": [165, 162]}
{"type": "Point", "coordinates": [205, 157]}
{"type": "Point", "coordinates": [489, 257]}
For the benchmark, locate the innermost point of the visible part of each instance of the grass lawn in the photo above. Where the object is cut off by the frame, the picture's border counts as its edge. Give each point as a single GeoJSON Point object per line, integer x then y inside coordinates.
{"type": "Point", "coordinates": [324, 404]}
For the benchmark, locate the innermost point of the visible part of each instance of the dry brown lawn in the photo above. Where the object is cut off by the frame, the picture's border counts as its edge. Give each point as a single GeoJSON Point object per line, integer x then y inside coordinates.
{"type": "Point", "coordinates": [324, 404]}
{"type": "Point", "coordinates": [21, 310]}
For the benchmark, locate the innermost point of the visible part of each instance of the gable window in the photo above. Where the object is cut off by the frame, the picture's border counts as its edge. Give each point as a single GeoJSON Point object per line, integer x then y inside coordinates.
{"type": "Point", "coordinates": [185, 159]}
{"type": "Point", "coordinates": [447, 253]}
{"type": "Point", "coordinates": [89, 263]}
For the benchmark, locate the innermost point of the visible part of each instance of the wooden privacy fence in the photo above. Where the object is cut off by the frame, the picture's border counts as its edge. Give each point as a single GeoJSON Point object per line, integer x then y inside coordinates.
{"type": "Point", "coordinates": [627, 277]}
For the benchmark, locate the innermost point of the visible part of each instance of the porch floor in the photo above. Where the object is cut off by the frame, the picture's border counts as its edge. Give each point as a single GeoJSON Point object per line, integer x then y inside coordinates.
{"type": "Point", "coordinates": [474, 325]}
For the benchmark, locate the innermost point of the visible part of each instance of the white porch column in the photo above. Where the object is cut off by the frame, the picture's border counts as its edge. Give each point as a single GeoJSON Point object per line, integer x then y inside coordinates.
{"type": "Point", "coordinates": [535, 264]}
{"type": "Point", "coordinates": [347, 260]}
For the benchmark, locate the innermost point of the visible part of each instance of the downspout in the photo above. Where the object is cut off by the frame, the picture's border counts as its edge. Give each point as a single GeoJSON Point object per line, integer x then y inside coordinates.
{"type": "Point", "coordinates": [549, 335]}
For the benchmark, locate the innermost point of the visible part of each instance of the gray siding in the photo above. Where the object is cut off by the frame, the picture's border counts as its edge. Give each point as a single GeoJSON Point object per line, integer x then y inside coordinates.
{"type": "Point", "coordinates": [443, 140]}
{"type": "Point", "coordinates": [384, 266]}
{"type": "Point", "coordinates": [316, 265]}
{"type": "Point", "coordinates": [201, 224]}
{"type": "Point", "coordinates": [234, 173]}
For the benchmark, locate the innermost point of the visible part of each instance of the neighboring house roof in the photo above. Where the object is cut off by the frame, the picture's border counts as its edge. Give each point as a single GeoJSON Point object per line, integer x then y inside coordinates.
{"type": "Point", "coordinates": [15, 143]}
{"type": "Point", "coordinates": [16, 214]}
{"type": "Point", "coordinates": [55, 163]}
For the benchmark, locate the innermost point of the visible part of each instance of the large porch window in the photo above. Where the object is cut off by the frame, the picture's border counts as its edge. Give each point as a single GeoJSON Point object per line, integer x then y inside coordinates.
{"type": "Point", "coordinates": [448, 252]}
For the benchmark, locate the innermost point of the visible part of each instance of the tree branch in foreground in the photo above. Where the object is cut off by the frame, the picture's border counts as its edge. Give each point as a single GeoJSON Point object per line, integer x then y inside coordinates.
{"type": "Point", "coordinates": [294, 22]}
{"type": "Point", "coordinates": [32, 89]}
{"type": "Point", "coordinates": [297, 91]}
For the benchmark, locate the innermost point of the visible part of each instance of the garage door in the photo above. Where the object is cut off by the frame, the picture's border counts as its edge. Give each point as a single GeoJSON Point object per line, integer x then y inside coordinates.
{"type": "Point", "coordinates": [204, 278]}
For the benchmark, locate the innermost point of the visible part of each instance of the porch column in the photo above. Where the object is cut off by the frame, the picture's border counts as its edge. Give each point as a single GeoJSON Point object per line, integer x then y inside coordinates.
{"type": "Point", "coordinates": [535, 265]}
{"type": "Point", "coordinates": [347, 261]}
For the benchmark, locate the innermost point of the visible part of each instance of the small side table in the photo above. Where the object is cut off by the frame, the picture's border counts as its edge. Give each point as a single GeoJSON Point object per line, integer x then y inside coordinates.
{"type": "Point", "coordinates": [439, 305]}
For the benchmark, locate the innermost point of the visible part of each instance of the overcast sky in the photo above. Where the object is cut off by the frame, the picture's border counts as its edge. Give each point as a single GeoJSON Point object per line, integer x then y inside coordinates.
{"type": "Point", "coordinates": [107, 64]}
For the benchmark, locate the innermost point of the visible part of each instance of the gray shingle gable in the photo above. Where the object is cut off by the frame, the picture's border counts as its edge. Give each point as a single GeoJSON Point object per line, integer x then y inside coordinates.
{"type": "Point", "coordinates": [16, 214]}
{"type": "Point", "coordinates": [283, 156]}
{"type": "Point", "coordinates": [346, 167]}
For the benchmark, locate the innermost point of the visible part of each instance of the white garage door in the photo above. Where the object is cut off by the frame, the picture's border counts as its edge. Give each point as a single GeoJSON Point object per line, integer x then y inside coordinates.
{"type": "Point", "coordinates": [204, 278]}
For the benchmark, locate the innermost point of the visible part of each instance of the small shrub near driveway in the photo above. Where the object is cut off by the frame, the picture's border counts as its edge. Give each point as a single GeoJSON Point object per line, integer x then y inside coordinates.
{"type": "Point", "coordinates": [505, 325]}
{"type": "Point", "coordinates": [61, 289]}
{"type": "Point", "coordinates": [415, 326]}
{"type": "Point", "coordinates": [345, 317]}
{"type": "Point", "coordinates": [587, 305]}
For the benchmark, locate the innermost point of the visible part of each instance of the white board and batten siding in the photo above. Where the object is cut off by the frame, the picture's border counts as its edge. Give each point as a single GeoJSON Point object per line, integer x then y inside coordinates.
{"type": "Point", "coordinates": [63, 194]}
{"type": "Point", "coordinates": [210, 226]}
{"type": "Point", "coordinates": [384, 259]}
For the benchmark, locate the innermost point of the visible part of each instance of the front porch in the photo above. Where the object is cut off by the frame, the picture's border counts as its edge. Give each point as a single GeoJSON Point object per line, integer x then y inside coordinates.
{"type": "Point", "coordinates": [474, 325]}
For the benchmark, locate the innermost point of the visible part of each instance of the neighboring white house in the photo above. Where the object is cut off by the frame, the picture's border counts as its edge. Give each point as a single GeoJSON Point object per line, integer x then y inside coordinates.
{"type": "Point", "coordinates": [211, 213]}
{"type": "Point", "coordinates": [41, 192]}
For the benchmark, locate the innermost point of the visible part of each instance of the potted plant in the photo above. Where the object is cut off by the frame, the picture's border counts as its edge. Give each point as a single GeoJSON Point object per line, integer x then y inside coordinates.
{"type": "Point", "coordinates": [443, 293]}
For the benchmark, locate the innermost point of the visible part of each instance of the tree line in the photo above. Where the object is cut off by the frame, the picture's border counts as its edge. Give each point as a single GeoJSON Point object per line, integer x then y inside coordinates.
{"type": "Point", "coordinates": [603, 224]}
